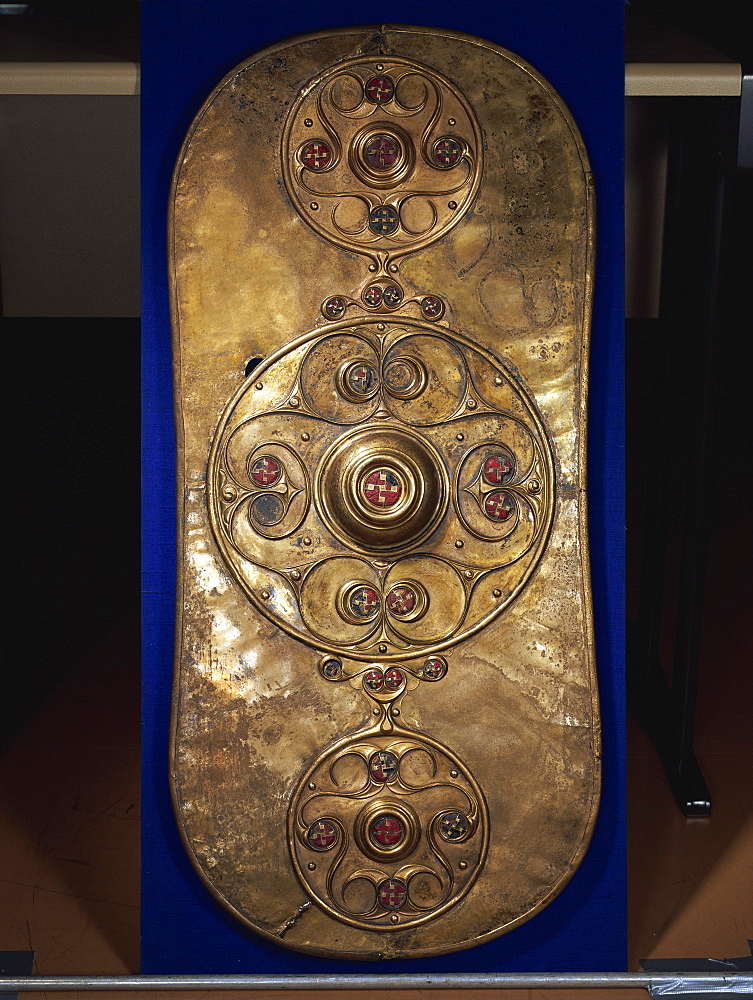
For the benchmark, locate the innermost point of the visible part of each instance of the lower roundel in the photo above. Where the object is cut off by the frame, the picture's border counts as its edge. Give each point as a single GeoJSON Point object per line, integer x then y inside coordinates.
{"type": "Point", "coordinates": [382, 847]}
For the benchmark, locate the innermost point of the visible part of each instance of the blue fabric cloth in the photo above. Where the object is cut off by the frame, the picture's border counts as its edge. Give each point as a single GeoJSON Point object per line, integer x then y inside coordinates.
{"type": "Point", "coordinates": [187, 48]}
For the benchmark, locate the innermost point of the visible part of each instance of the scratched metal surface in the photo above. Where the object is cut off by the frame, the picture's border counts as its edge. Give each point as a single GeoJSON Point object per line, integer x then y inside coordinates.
{"type": "Point", "coordinates": [509, 735]}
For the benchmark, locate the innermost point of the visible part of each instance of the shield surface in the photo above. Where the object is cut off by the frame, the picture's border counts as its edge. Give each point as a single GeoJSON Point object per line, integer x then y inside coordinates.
{"type": "Point", "coordinates": [385, 714]}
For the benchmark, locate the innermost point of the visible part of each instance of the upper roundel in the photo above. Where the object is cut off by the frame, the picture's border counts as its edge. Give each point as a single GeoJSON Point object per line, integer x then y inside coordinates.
{"type": "Point", "coordinates": [381, 155]}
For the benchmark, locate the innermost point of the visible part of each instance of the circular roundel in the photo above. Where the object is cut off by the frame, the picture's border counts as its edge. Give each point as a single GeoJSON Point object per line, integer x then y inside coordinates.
{"type": "Point", "coordinates": [407, 601]}
{"type": "Point", "coordinates": [266, 510]}
{"type": "Point", "coordinates": [394, 679]}
{"type": "Point", "coordinates": [265, 471]}
{"type": "Point", "coordinates": [406, 829]}
{"type": "Point", "coordinates": [359, 603]}
{"type": "Point", "coordinates": [382, 155]}
{"type": "Point", "coordinates": [392, 296]}
{"type": "Point", "coordinates": [382, 151]}
{"type": "Point", "coordinates": [358, 380]}
{"type": "Point", "coordinates": [435, 668]}
{"type": "Point", "coordinates": [453, 827]}
{"type": "Point", "coordinates": [353, 496]}
{"type": "Point", "coordinates": [499, 505]}
{"type": "Point", "coordinates": [323, 835]}
{"type": "Point", "coordinates": [384, 220]}
{"type": "Point", "coordinates": [446, 152]}
{"type": "Point", "coordinates": [373, 296]}
{"type": "Point", "coordinates": [334, 307]}
{"type": "Point", "coordinates": [392, 894]}
{"type": "Point", "coordinates": [382, 488]}
{"type": "Point", "coordinates": [383, 766]}
{"type": "Point", "coordinates": [373, 680]}
{"type": "Point", "coordinates": [405, 377]}
{"type": "Point", "coordinates": [498, 469]}
{"type": "Point", "coordinates": [379, 90]}
{"type": "Point", "coordinates": [316, 155]}
{"type": "Point", "coordinates": [387, 831]}
{"type": "Point", "coordinates": [384, 133]}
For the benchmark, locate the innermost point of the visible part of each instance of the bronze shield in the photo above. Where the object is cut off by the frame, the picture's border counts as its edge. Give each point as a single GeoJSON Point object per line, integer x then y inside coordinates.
{"type": "Point", "coordinates": [385, 715]}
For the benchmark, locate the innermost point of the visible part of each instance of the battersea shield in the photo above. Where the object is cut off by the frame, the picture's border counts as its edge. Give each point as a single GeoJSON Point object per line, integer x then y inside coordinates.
{"type": "Point", "coordinates": [385, 716]}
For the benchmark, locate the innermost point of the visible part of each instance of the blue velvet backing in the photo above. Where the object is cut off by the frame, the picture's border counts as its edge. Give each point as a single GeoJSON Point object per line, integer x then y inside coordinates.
{"type": "Point", "coordinates": [187, 48]}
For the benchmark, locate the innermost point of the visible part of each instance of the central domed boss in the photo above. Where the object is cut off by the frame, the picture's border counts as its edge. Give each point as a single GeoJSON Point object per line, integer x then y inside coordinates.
{"type": "Point", "coordinates": [382, 489]}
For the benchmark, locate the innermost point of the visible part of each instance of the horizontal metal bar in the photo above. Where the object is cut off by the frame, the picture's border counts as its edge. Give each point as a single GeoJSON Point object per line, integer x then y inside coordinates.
{"type": "Point", "coordinates": [742, 982]}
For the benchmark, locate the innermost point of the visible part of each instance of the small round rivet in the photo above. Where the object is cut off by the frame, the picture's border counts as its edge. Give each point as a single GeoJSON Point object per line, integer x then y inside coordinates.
{"type": "Point", "coordinates": [468, 574]}
{"type": "Point", "coordinates": [379, 67]}
{"type": "Point", "coordinates": [382, 647]}
{"type": "Point", "coordinates": [394, 918]}
{"type": "Point", "coordinates": [450, 121]}
{"type": "Point", "coordinates": [381, 326]}
{"type": "Point", "coordinates": [454, 773]}
{"type": "Point", "coordinates": [294, 401]}
{"type": "Point", "coordinates": [452, 204]}
{"type": "Point", "coordinates": [312, 866]}
{"type": "Point", "coordinates": [396, 711]}
{"type": "Point", "coordinates": [462, 865]}
{"type": "Point", "coordinates": [375, 711]}
{"type": "Point", "coordinates": [295, 575]}
{"type": "Point", "coordinates": [471, 404]}
{"type": "Point", "coordinates": [460, 437]}
{"type": "Point", "coordinates": [314, 206]}
{"type": "Point", "coordinates": [459, 543]}
{"type": "Point", "coordinates": [498, 380]}
{"type": "Point", "coordinates": [372, 267]}
{"type": "Point", "coordinates": [265, 595]}
{"type": "Point", "coordinates": [305, 436]}
{"type": "Point", "coordinates": [259, 385]}
{"type": "Point", "coordinates": [312, 785]}
{"type": "Point", "coordinates": [497, 593]}
{"type": "Point", "coordinates": [393, 268]}
{"type": "Point", "coordinates": [308, 122]}
{"type": "Point", "coordinates": [307, 541]}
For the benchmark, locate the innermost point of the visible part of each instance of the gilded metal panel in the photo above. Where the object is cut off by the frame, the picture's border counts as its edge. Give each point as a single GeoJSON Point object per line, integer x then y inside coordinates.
{"type": "Point", "coordinates": [385, 717]}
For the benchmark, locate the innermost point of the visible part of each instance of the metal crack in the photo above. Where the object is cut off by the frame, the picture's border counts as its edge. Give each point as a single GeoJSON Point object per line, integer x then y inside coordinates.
{"type": "Point", "coordinates": [292, 920]}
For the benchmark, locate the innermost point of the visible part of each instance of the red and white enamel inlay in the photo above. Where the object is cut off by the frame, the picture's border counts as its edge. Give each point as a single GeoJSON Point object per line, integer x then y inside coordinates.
{"type": "Point", "coordinates": [497, 469]}
{"type": "Point", "coordinates": [373, 296]}
{"type": "Point", "coordinates": [322, 835]}
{"type": "Point", "coordinates": [374, 680]}
{"type": "Point", "coordinates": [363, 602]}
{"type": "Point", "coordinates": [401, 601]}
{"type": "Point", "coordinates": [387, 831]}
{"type": "Point", "coordinates": [335, 307]}
{"type": "Point", "coordinates": [382, 152]}
{"type": "Point", "coordinates": [382, 488]}
{"type": "Point", "coordinates": [434, 668]}
{"type": "Point", "coordinates": [383, 766]}
{"type": "Point", "coordinates": [447, 152]}
{"type": "Point", "coordinates": [498, 505]}
{"type": "Point", "coordinates": [316, 155]}
{"type": "Point", "coordinates": [379, 90]}
{"type": "Point", "coordinates": [453, 826]}
{"type": "Point", "coordinates": [265, 471]}
{"type": "Point", "coordinates": [361, 379]}
{"type": "Point", "coordinates": [393, 679]}
{"type": "Point", "coordinates": [431, 306]}
{"type": "Point", "coordinates": [392, 894]}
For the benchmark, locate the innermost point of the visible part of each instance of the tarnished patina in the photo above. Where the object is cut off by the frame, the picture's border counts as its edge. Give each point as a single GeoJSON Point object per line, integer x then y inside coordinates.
{"type": "Point", "coordinates": [385, 717]}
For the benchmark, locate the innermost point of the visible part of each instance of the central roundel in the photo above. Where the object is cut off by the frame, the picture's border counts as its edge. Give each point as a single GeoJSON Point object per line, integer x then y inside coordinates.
{"type": "Point", "coordinates": [382, 488]}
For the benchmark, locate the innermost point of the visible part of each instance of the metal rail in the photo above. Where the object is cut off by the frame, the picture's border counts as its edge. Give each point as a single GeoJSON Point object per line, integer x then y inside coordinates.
{"type": "Point", "coordinates": [658, 985]}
